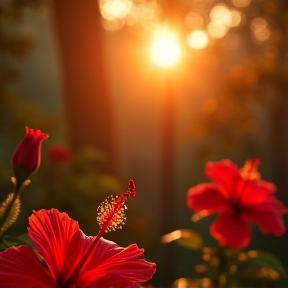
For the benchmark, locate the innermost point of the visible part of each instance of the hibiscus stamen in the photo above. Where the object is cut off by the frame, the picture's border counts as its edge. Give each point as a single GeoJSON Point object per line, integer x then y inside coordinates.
{"type": "Point", "coordinates": [249, 170]}
{"type": "Point", "coordinates": [247, 173]}
{"type": "Point", "coordinates": [110, 217]}
{"type": "Point", "coordinates": [111, 212]}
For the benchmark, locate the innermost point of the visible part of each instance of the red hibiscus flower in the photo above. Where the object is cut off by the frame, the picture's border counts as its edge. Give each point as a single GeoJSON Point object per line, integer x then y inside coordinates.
{"type": "Point", "coordinates": [240, 197]}
{"type": "Point", "coordinates": [26, 158]}
{"type": "Point", "coordinates": [71, 259]}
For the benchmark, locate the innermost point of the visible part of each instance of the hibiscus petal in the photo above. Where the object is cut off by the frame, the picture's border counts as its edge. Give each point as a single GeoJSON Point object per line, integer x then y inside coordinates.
{"type": "Point", "coordinates": [229, 229]}
{"type": "Point", "coordinates": [271, 204]}
{"type": "Point", "coordinates": [109, 258]}
{"type": "Point", "coordinates": [269, 221]}
{"type": "Point", "coordinates": [52, 233]}
{"type": "Point", "coordinates": [79, 244]}
{"type": "Point", "coordinates": [206, 198]}
{"type": "Point", "coordinates": [19, 268]}
{"type": "Point", "coordinates": [225, 174]}
{"type": "Point", "coordinates": [257, 191]}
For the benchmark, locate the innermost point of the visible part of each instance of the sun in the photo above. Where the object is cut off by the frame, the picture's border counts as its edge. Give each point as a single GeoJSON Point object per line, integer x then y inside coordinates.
{"type": "Point", "coordinates": [165, 49]}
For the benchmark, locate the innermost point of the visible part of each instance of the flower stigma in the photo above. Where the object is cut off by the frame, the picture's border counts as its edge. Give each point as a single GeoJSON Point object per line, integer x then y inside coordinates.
{"type": "Point", "coordinates": [110, 217]}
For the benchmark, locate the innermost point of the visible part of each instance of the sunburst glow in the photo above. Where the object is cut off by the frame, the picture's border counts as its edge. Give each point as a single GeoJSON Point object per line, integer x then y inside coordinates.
{"type": "Point", "coordinates": [165, 49]}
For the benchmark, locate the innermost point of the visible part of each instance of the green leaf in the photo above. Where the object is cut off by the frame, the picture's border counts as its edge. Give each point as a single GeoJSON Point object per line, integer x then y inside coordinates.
{"type": "Point", "coordinates": [186, 238]}
{"type": "Point", "coordinates": [7, 241]}
{"type": "Point", "coordinates": [265, 260]}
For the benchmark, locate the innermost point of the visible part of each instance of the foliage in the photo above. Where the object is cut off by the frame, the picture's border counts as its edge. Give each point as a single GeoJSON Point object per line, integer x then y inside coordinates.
{"type": "Point", "coordinates": [226, 267]}
{"type": "Point", "coordinates": [15, 46]}
{"type": "Point", "coordinates": [251, 96]}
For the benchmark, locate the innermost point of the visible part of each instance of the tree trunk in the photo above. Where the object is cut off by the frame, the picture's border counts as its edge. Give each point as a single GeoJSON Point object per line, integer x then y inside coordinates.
{"type": "Point", "coordinates": [86, 96]}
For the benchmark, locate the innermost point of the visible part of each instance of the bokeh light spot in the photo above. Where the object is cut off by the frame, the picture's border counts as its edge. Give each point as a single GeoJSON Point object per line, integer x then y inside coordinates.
{"type": "Point", "coordinates": [198, 39]}
{"type": "Point", "coordinates": [217, 29]}
{"type": "Point", "coordinates": [115, 9]}
{"type": "Point", "coordinates": [260, 29]}
{"type": "Point", "coordinates": [236, 18]}
{"type": "Point", "coordinates": [221, 13]}
{"type": "Point", "coordinates": [144, 13]}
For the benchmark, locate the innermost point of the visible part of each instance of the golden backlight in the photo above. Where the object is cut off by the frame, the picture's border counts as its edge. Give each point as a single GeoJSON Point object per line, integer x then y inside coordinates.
{"type": "Point", "coordinates": [165, 50]}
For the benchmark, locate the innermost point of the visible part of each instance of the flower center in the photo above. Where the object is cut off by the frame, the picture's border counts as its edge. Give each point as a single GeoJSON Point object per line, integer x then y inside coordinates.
{"type": "Point", "coordinates": [236, 207]}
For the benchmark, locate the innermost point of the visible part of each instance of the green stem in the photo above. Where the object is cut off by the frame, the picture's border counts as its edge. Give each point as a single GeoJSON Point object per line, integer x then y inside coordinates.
{"type": "Point", "coordinates": [222, 276]}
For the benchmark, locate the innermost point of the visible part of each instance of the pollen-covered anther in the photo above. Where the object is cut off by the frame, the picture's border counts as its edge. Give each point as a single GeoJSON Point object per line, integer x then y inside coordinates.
{"type": "Point", "coordinates": [111, 214]}
{"type": "Point", "coordinates": [249, 170]}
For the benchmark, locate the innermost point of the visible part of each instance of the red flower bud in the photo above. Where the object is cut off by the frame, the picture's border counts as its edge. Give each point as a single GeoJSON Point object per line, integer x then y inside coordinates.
{"type": "Point", "coordinates": [60, 154]}
{"type": "Point", "coordinates": [26, 158]}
